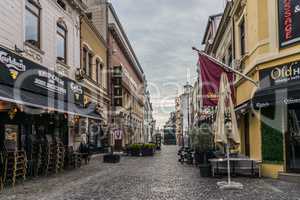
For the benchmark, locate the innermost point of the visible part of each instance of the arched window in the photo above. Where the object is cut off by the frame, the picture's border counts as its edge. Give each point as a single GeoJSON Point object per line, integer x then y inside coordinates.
{"type": "Point", "coordinates": [99, 71]}
{"type": "Point", "coordinates": [84, 59]}
{"type": "Point", "coordinates": [61, 42]}
{"type": "Point", "coordinates": [32, 23]}
{"type": "Point", "coordinates": [98, 79]}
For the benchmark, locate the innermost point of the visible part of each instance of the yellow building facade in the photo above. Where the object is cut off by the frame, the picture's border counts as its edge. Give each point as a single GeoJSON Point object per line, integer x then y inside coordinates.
{"type": "Point", "coordinates": [263, 38]}
{"type": "Point", "coordinates": [262, 54]}
{"type": "Point", "coordinates": [93, 74]}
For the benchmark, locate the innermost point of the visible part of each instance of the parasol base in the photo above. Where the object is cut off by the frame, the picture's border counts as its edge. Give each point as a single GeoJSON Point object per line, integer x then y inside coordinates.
{"type": "Point", "coordinates": [224, 185]}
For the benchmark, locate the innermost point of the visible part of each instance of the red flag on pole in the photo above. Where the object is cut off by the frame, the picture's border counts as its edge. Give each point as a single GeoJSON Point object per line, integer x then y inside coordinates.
{"type": "Point", "coordinates": [210, 75]}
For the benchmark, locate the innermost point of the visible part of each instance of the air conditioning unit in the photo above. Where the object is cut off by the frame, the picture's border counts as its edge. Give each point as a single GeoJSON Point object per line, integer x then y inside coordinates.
{"type": "Point", "coordinates": [79, 74]}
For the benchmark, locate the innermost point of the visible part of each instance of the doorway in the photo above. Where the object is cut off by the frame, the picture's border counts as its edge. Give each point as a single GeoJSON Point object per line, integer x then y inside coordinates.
{"type": "Point", "coordinates": [293, 139]}
{"type": "Point", "coordinates": [246, 134]}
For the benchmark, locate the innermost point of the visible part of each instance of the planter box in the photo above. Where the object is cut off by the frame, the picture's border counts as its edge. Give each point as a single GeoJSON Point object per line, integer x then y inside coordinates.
{"type": "Point", "coordinates": [135, 153]}
{"type": "Point", "coordinates": [147, 152]}
{"type": "Point", "coordinates": [205, 170]}
{"type": "Point", "coordinates": [111, 158]}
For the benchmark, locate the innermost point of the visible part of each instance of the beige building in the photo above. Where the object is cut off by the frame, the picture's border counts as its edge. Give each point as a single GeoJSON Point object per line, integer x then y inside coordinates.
{"type": "Point", "coordinates": [94, 76]}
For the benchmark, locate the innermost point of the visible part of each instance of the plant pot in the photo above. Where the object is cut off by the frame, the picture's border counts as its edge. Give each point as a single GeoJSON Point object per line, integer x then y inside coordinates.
{"type": "Point", "coordinates": [147, 152]}
{"type": "Point", "coordinates": [135, 153]}
{"type": "Point", "coordinates": [111, 158]}
{"type": "Point", "coordinates": [205, 170]}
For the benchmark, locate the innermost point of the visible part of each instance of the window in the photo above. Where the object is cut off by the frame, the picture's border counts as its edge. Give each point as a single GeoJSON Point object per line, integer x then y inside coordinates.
{"type": "Point", "coordinates": [32, 23]}
{"type": "Point", "coordinates": [61, 43]}
{"type": "Point", "coordinates": [230, 56]}
{"type": "Point", "coordinates": [84, 60]}
{"type": "Point", "coordinates": [90, 72]}
{"type": "Point", "coordinates": [99, 68]}
{"type": "Point", "coordinates": [242, 37]}
{"type": "Point", "coordinates": [62, 4]}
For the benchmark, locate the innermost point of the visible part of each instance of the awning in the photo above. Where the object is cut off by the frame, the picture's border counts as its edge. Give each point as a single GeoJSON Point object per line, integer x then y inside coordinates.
{"type": "Point", "coordinates": [243, 107]}
{"type": "Point", "coordinates": [23, 97]}
{"type": "Point", "coordinates": [289, 94]}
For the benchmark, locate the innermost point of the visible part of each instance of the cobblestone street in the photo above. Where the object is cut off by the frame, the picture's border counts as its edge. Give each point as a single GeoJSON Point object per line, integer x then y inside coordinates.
{"type": "Point", "coordinates": [158, 177]}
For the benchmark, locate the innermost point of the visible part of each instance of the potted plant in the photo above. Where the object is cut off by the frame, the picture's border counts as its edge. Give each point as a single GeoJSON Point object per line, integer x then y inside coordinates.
{"type": "Point", "coordinates": [148, 149]}
{"type": "Point", "coordinates": [135, 149]}
{"type": "Point", "coordinates": [202, 143]}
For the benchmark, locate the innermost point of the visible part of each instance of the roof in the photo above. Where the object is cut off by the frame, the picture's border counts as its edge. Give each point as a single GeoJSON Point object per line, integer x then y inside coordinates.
{"type": "Point", "coordinates": [138, 66]}
{"type": "Point", "coordinates": [210, 19]}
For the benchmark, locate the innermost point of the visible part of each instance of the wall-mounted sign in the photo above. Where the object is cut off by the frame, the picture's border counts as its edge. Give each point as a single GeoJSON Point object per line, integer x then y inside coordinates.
{"type": "Point", "coordinates": [118, 133]}
{"type": "Point", "coordinates": [281, 74]}
{"type": "Point", "coordinates": [17, 71]}
{"type": "Point", "coordinates": [289, 26]}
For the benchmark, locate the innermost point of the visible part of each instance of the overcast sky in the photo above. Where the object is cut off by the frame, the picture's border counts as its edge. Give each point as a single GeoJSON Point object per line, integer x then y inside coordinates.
{"type": "Point", "coordinates": [162, 33]}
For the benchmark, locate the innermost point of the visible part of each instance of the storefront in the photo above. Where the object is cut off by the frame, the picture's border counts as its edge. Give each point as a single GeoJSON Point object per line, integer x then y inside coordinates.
{"type": "Point", "coordinates": [40, 114]}
{"type": "Point", "coordinates": [278, 102]}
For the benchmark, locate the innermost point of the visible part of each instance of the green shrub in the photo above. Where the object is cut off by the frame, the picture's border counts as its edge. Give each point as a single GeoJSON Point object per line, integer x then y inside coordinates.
{"type": "Point", "coordinates": [149, 146]}
{"type": "Point", "coordinates": [135, 147]}
{"type": "Point", "coordinates": [272, 144]}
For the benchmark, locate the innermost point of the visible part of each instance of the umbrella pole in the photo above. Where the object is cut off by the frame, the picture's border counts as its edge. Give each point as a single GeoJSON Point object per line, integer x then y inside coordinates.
{"type": "Point", "coordinates": [228, 163]}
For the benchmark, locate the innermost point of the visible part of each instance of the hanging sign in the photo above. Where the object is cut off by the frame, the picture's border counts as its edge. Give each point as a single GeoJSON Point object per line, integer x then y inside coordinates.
{"type": "Point", "coordinates": [118, 133]}
{"type": "Point", "coordinates": [289, 26]}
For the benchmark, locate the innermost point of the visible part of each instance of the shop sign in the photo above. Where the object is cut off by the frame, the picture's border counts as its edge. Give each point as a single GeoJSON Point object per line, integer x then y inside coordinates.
{"type": "Point", "coordinates": [17, 71]}
{"type": "Point", "coordinates": [118, 133]}
{"type": "Point", "coordinates": [281, 74]}
{"type": "Point", "coordinates": [289, 26]}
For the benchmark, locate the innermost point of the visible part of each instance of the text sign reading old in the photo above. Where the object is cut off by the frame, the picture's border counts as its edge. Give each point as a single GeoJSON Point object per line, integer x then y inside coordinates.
{"type": "Point", "coordinates": [289, 26]}
{"type": "Point", "coordinates": [279, 75]}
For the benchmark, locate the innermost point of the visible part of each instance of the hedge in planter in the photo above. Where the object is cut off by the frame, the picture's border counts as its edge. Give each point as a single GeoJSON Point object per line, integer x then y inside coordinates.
{"type": "Point", "coordinates": [148, 149]}
{"type": "Point", "coordinates": [272, 144]}
{"type": "Point", "coordinates": [135, 149]}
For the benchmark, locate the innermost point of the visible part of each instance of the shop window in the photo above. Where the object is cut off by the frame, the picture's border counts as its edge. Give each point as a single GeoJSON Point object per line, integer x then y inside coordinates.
{"type": "Point", "coordinates": [32, 23]}
{"type": "Point", "coordinates": [242, 37]}
{"type": "Point", "coordinates": [61, 43]}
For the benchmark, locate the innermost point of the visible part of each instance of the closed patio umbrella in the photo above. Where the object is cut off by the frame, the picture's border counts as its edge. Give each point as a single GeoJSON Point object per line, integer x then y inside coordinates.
{"type": "Point", "coordinates": [226, 130]}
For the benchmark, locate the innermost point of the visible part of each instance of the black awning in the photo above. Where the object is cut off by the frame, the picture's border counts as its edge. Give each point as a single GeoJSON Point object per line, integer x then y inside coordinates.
{"type": "Point", "coordinates": [242, 108]}
{"type": "Point", "coordinates": [23, 97]}
{"type": "Point", "coordinates": [290, 94]}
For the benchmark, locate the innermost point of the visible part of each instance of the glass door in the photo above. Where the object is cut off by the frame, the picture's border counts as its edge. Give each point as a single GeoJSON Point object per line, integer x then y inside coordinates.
{"type": "Point", "coordinates": [293, 141]}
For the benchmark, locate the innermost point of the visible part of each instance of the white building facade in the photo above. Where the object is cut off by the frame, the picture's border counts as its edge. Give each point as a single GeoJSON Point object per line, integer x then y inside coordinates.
{"type": "Point", "coordinates": [34, 26]}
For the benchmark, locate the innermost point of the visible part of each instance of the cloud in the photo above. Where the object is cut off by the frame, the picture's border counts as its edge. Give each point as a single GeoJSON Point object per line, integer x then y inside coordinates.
{"type": "Point", "coordinates": [162, 33]}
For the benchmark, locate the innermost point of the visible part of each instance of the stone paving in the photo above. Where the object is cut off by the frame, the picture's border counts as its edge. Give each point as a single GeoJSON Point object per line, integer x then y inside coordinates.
{"type": "Point", "coordinates": [149, 178]}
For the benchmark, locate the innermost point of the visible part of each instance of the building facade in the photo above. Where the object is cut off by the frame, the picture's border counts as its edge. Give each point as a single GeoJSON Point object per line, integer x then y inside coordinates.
{"type": "Point", "coordinates": [264, 40]}
{"type": "Point", "coordinates": [128, 86]}
{"type": "Point", "coordinates": [94, 76]}
{"type": "Point", "coordinates": [149, 122]}
{"type": "Point", "coordinates": [183, 115]}
{"type": "Point", "coordinates": [125, 78]}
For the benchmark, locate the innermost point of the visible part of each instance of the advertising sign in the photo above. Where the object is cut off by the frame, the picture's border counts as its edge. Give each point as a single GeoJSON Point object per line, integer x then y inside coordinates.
{"type": "Point", "coordinates": [19, 72]}
{"type": "Point", "coordinates": [289, 26]}
{"type": "Point", "coordinates": [279, 75]}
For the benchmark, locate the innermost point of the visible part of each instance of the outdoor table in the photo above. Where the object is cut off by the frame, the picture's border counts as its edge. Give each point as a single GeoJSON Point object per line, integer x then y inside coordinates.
{"type": "Point", "coordinates": [233, 164]}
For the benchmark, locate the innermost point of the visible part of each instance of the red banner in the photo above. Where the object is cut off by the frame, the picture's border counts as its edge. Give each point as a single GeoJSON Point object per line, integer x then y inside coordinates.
{"type": "Point", "coordinates": [210, 73]}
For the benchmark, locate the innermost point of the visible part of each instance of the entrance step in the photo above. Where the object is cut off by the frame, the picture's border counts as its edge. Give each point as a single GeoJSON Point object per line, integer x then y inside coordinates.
{"type": "Point", "coordinates": [289, 177]}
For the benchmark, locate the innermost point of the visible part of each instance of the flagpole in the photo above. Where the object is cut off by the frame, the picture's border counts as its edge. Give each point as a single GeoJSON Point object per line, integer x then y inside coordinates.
{"type": "Point", "coordinates": [226, 66]}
